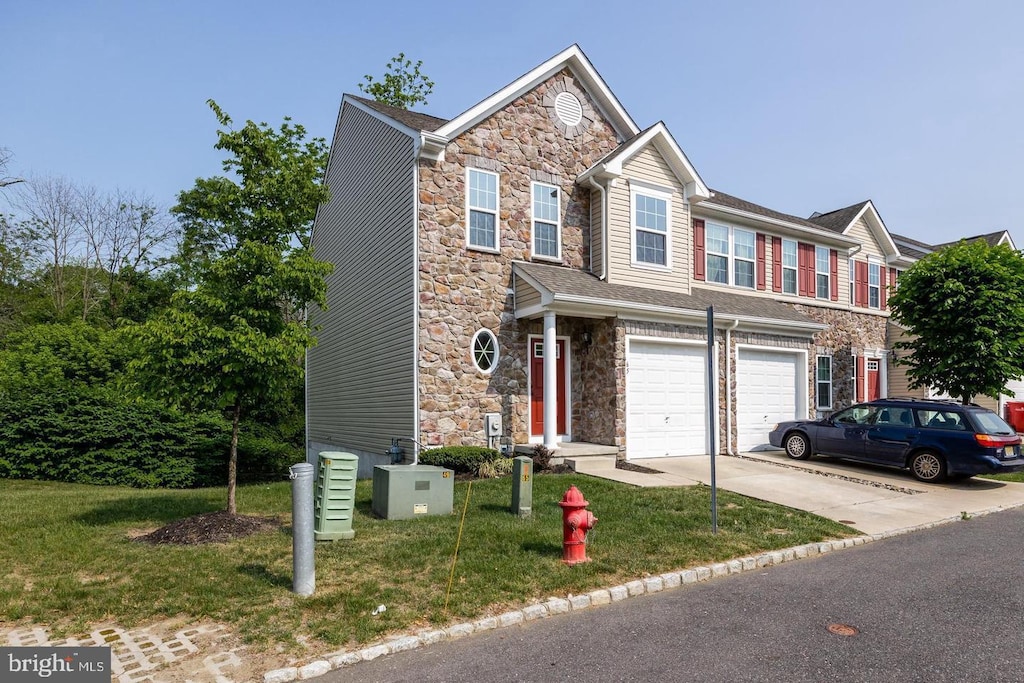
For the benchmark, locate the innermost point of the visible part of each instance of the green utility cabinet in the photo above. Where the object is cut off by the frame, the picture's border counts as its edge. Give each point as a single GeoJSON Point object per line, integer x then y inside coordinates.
{"type": "Point", "coordinates": [335, 495]}
{"type": "Point", "coordinates": [408, 491]}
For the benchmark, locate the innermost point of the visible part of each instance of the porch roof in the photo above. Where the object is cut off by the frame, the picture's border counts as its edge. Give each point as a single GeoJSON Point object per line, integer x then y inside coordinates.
{"type": "Point", "coordinates": [575, 292]}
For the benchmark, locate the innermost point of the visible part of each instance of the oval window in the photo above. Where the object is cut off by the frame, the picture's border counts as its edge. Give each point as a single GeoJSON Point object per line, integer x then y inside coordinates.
{"type": "Point", "coordinates": [485, 351]}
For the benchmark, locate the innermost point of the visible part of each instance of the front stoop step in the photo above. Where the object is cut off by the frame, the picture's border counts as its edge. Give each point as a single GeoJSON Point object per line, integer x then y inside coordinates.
{"type": "Point", "coordinates": [570, 451]}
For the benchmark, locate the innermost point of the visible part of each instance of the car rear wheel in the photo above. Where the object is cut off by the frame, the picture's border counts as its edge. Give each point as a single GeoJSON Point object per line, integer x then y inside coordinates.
{"type": "Point", "coordinates": [797, 446]}
{"type": "Point", "coordinates": [928, 466]}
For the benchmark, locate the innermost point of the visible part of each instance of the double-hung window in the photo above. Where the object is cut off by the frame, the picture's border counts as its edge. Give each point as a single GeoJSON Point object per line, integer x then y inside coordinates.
{"type": "Point", "coordinates": [822, 272]}
{"type": "Point", "coordinates": [853, 281]}
{"type": "Point", "coordinates": [789, 266]}
{"type": "Point", "coordinates": [717, 239]}
{"type": "Point", "coordinates": [743, 242]}
{"type": "Point", "coordinates": [824, 383]}
{"type": "Point", "coordinates": [651, 219]}
{"type": "Point", "coordinates": [874, 285]}
{"type": "Point", "coordinates": [546, 222]}
{"type": "Point", "coordinates": [730, 254]}
{"type": "Point", "coordinates": [482, 200]}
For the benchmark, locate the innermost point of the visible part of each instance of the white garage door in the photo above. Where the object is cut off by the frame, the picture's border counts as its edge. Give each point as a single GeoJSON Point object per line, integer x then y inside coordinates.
{"type": "Point", "coordinates": [665, 400]}
{"type": "Point", "coordinates": [766, 393]}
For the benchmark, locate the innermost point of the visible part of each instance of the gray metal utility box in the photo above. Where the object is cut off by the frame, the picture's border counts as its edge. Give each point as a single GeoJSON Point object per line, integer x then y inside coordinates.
{"type": "Point", "coordinates": [408, 491]}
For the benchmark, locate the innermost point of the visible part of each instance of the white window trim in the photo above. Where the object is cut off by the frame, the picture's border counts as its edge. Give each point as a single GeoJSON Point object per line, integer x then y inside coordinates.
{"type": "Point", "coordinates": [557, 258]}
{"type": "Point", "coordinates": [730, 257]}
{"type": "Point", "coordinates": [831, 384]}
{"type": "Point", "coordinates": [648, 191]}
{"type": "Point", "coordinates": [497, 350]}
{"type": "Point", "coordinates": [827, 273]}
{"type": "Point", "coordinates": [497, 212]}
{"type": "Point", "coordinates": [795, 269]}
{"type": "Point", "coordinates": [878, 266]}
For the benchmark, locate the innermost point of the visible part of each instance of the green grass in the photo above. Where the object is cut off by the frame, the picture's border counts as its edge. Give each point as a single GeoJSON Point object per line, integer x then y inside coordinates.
{"type": "Point", "coordinates": [70, 562]}
{"type": "Point", "coordinates": [1010, 476]}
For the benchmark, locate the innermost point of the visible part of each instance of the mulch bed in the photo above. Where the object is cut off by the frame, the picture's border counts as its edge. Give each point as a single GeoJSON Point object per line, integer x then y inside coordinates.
{"type": "Point", "coordinates": [212, 527]}
{"type": "Point", "coordinates": [625, 465]}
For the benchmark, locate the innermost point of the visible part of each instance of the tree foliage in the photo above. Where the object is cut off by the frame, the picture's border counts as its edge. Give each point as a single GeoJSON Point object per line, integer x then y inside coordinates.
{"type": "Point", "coordinates": [964, 307]}
{"type": "Point", "coordinates": [235, 338]}
{"type": "Point", "coordinates": [403, 85]}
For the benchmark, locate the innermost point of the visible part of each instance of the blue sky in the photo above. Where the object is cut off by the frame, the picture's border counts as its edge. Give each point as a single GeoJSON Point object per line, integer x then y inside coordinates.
{"type": "Point", "coordinates": [799, 106]}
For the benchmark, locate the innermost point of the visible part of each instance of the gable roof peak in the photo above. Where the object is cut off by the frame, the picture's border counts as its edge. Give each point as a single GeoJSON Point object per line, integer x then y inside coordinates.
{"type": "Point", "coordinates": [577, 62]}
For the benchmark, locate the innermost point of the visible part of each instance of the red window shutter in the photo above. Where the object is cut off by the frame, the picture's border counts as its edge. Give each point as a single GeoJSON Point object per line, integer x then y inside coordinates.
{"type": "Point", "coordinates": [699, 261]}
{"type": "Point", "coordinates": [860, 375]}
{"type": "Point", "coordinates": [805, 271]}
{"type": "Point", "coordinates": [860, 284]}
{"type": "Point", "coordinates": [776, 264]}
{"type": "Point", "coordinates": [760, 262]}
{"type": "Point", "coordinates": [882, 279]}
{"type": "Point", "coordinates": [833, 258]}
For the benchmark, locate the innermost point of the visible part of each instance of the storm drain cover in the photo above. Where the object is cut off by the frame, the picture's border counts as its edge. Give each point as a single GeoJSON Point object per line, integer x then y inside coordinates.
{"type": "Point", "coordinates": [842, 629]}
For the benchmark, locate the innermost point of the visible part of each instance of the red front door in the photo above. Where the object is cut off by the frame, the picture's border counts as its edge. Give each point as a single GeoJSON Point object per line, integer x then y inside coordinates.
{"type": "Point", "coordinates": [537, 386]}
{"type": "Point", "coordinates": [873, 382]}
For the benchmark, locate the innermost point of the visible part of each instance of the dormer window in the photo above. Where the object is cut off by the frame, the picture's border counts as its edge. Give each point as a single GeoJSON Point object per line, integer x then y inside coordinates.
{"type": "Point", "coordinates": [482, 210]}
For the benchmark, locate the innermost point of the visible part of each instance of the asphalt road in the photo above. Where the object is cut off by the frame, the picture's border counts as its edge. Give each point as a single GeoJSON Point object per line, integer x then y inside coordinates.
{"type": "Point", "coordinates": [945, 604]}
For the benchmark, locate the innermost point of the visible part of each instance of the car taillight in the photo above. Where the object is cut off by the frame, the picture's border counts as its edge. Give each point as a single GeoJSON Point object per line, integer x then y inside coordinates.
{"type": "Point", "coordinates": [990, 441]}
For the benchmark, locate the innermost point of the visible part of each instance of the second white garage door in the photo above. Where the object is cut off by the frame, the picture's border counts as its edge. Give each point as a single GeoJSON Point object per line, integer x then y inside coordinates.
{"type": "Point", "coordinates": [768, 390]}
{"type": "Point", "coordinates": [665, 400]}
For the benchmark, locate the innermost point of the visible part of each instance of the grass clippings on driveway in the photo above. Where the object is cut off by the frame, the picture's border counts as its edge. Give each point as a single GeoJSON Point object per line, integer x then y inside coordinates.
{"type": "Point", "coordinates": [71, 556]}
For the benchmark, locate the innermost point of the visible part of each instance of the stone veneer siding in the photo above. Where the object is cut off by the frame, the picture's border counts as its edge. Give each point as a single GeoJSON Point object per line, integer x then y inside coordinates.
{"type": "Point", "coordinates": [462, 290]}
{"type": "Point", "coordinates": [848, 333]}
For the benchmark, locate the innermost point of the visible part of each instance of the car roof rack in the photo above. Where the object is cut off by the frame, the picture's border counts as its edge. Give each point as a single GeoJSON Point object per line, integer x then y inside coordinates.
{"type": "Point", "coordinates": [918, 399]}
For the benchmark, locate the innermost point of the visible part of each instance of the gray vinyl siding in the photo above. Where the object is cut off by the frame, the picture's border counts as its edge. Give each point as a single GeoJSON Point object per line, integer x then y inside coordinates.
{"type": "Point", "coordinates": [596, 234]}
{"type": "Point", "coordinates": [361, 388]}
{"type": "Point", "coordinates": [648, 166]}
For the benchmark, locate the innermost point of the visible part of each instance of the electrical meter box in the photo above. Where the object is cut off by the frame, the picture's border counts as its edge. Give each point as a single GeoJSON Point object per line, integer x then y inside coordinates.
{"type": "Point", "coordinates": [410, 491]}
{"type": "Point", "coordinates": [334, 495]}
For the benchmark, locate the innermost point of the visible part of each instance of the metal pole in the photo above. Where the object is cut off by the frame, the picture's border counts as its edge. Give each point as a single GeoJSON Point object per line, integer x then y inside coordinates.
{"type": "Point", "coordinates": [712, 408]}
{"type": "Point", "coordinates": [304, 574]}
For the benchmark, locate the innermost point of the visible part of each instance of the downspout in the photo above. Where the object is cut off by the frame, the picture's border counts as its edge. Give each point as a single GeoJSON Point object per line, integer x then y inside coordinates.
{"type": "Point", "coordinates": [417, 439]}
{"type": "Point", "coordinates": [604, 232]}
{"type": "Point", "coordinates": [728, 387]}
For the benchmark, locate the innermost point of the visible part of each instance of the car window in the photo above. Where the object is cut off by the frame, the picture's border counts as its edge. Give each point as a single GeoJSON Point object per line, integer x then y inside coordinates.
{"type": "Point", "coordinates": [856, 415]}
{"type": "Point", "coordinates": [899, 417]}
{"type": "Point", "coordinates": [991, 423]}
{"type": "Point", "coordinates": [941, 419]}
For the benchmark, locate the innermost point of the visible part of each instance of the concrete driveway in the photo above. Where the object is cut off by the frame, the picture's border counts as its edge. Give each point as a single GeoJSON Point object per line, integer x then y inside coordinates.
{"type": "Point", "coordinates": [871, 499]}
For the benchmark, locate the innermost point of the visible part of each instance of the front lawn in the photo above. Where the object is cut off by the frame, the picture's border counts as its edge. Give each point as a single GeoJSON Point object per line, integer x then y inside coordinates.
{"type": "Point", "coordinates": [69, 559]}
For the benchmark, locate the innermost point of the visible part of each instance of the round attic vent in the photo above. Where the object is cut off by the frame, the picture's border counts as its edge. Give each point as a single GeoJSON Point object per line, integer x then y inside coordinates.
{"type": "Point", "coordinates": [568, 108]}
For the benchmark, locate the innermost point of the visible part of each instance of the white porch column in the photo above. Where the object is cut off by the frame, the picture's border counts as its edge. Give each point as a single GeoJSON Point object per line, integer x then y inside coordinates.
{"type": "Point", "coordinates": [550, 382]}
{"type": "Point", "coordinates": [883, 374]}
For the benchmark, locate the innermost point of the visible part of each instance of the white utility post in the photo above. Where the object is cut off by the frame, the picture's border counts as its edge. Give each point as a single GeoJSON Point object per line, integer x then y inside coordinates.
{"type": "Point", "coordinates": [550, 382]}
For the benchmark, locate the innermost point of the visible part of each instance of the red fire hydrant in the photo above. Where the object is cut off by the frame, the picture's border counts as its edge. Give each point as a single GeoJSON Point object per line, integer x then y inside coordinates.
{"type": "Point", "coordinates": [576, 522]}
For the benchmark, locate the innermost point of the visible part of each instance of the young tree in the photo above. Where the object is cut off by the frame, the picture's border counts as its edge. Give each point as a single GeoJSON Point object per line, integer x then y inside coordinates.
{"type": "Point", "coordinates": [228, 339]}
{"type": "Point", "coordinates": [964, 307]}
{"type": "Point", "coordinates": [403, 85]}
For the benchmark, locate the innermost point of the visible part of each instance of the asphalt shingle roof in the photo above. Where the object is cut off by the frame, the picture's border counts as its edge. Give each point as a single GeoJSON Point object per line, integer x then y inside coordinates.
{"type": "Point", "coordinates": [992, 238]}
{"type": "Point", "coordinates": [838, 220]}
{"type": "Point", "coordinates": [911, 247]}
{"type": "Point", "coordinates": [727, 200]}
{"type": "Point", "coordinates": [412, 119]}
{"type": "Point", "coordinates": [562, 280]}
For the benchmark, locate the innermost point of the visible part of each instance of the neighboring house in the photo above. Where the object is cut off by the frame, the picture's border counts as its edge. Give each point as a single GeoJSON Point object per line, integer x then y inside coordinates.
{"type": "Point", "coordinates": [542, 260]}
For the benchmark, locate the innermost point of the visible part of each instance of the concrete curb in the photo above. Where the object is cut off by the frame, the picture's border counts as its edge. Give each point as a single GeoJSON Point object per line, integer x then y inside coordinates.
{"type": "Point", "coordinates": [575, 603]}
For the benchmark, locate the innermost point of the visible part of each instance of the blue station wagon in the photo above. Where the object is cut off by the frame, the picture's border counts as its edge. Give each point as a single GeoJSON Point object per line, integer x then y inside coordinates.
{"type": "Point", "coordinates": [934, 439]}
